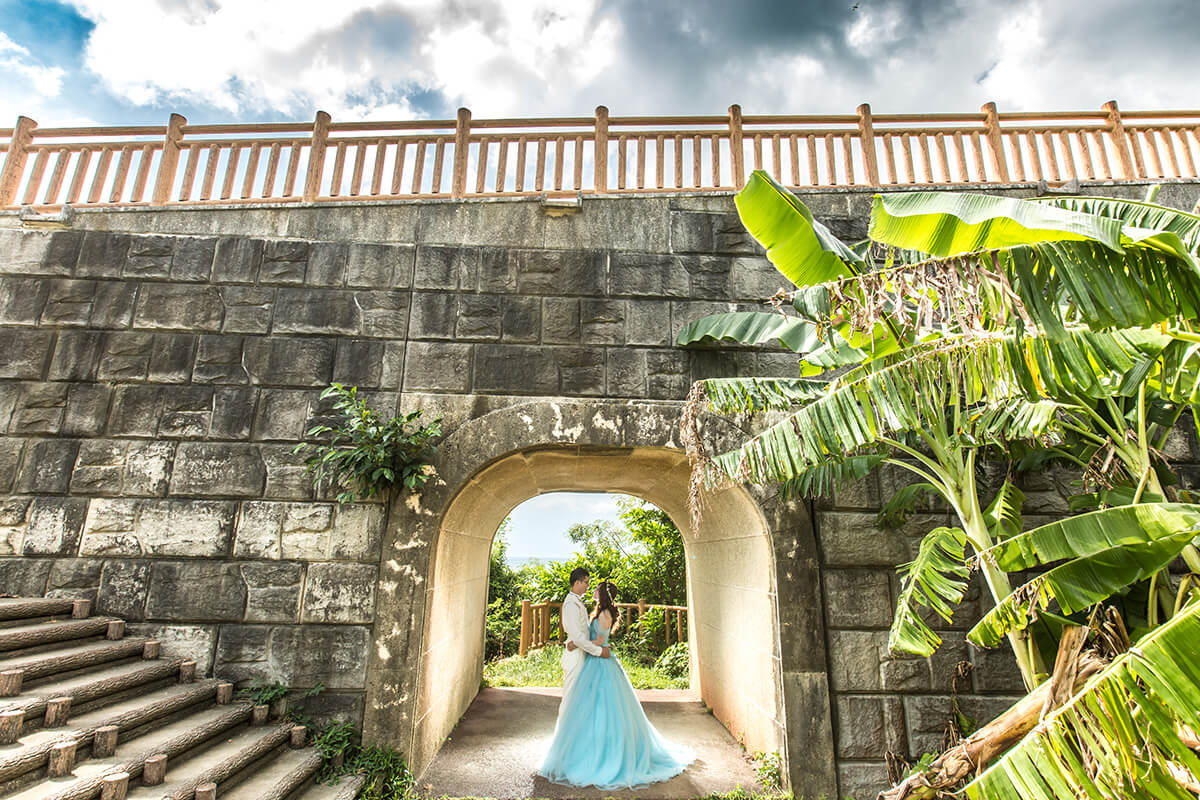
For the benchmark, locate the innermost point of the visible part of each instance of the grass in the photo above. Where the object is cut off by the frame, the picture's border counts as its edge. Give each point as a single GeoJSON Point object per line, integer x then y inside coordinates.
{"type": "Point", "coordinates": [543, 668]}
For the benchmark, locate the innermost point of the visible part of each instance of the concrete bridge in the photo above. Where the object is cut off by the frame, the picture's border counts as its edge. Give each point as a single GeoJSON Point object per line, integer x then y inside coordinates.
{"type": "Point", "coordinates": [157, 366]}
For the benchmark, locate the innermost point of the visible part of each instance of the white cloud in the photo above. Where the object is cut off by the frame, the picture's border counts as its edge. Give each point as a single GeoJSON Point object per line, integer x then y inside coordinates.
{"type": "Point", "coordinates": [29, 88]}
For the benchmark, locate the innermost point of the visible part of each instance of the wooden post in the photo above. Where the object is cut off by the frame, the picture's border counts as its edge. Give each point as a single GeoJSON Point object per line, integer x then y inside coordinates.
{"type": "Point", "coordinates": [279, 707]}
{"type": "Point", "coordinates": [298, 736]}
{"type": "Point", "coordinates": [641, 609]}
{"type": "Point", "coordinates": [462, 149]}
{"type": "Point", "coordinates": [206, 791]}
{"type": "Point", "coordinates": [737, 155]}
{"type": "Point", "coordinates": [667, 623]}
{"type": "Point", "coordinates": [1116, 133]}
{"type": "Point", "coordinates": [187, 672]}
{"type": "Point", "coordinates": [10, 682]}
{"type": "Point", "coordinates": [678, 625]}
{"type": "Point", "coordinates": [169, 160]}
{"type": "Point", "coordinates": [600, 157]}
{"type": "Point", "coordinates": [81, 609]}
{"type": "Point", "coordinates": [991, 125]}
{"type": "Point", "coordinates": [866, 138]}
{"type": "Point", "coordinates": [115, 786]}
{"type": "Point", "coordinates": [115, 630]}
{"type": "Point", "coordinates": [154, 771]}
{"type": "Point", "coordinates": [14, 160]}
{"type": "Point", "coordinates": [224, 693]}
{"type": "Point", "coordinates": [151, 649]}
{"type": "Point", "coordinates": [104, 741]}
{"type": "Point", "coordinates": [10, 725]}
{"type": "Point", "coordinates": [316, 157]}
{"type": "Point", "coordinates": [526, 627]}
{"type": "Point", "coordinates": [62, 760]}
{"type": "Point", "coordinates": [57, 711]}
{"type": "Point", "coordinates": [545, 626]}
{"type": "Point", "coordinates": [258, 715]}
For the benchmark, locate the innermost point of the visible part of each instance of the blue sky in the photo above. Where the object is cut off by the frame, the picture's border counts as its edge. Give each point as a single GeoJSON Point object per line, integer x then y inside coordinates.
{"type": "Point", "coordinates": [539, 525]}
{"type": "Point", "coordinates": [135, 61]}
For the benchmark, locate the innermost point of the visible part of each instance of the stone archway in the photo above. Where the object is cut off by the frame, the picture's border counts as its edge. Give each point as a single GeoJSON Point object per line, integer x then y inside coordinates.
{"type": "Point", "coordinates": [748, 637]}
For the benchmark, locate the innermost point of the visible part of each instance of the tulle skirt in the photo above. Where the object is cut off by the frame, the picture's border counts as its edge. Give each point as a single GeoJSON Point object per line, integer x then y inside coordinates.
{"type": "Point", "coordinates": [603, 737]}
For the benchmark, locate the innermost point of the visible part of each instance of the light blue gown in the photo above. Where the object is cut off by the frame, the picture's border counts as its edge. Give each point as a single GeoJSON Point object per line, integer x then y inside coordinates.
{"type": "Point", "coordinates": [603, 738]}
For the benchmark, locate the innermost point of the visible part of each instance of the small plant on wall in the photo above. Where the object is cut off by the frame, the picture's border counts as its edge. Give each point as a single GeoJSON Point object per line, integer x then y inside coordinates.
{"type": "Point", "coordinates": [365, 453]}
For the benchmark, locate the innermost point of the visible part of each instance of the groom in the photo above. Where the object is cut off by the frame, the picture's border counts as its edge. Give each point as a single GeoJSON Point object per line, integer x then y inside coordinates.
{"type": "Point", "coordinates": [575, 623]}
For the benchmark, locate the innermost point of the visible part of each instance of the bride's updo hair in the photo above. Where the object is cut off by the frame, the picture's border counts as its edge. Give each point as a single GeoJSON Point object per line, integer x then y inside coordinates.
{"type": "Point", "coordinates": [606, 600]}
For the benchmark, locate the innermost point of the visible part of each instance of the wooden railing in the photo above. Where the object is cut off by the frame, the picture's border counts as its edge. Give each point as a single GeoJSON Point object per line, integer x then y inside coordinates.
{"type": "Point", "coordinates": [326, 161]}
{"type": "Point", "coordinates": [537, 627]}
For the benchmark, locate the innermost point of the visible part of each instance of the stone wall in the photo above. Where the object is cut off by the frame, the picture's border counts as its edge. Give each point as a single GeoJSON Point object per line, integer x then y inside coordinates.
{"type": "Point", "coordinates": [157, 367]}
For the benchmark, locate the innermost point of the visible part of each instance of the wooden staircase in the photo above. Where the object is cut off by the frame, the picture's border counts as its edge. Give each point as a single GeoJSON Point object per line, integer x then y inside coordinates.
{"type": "Point", "coordinates": [86, 712]}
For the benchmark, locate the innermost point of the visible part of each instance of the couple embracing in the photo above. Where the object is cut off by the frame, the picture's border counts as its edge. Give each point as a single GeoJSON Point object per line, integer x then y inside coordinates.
{"type": "Point", "coordinates": [602, 737]}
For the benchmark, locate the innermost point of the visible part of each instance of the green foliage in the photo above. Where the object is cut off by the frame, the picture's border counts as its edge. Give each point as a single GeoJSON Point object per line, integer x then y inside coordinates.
{"type": "Point", "coordinates": [900, 506]}
{"type": "Point", "coordinates": [935, 579]}
{"type": "Point", "coordinates": [674, 662]}
{"type": "Point", "coordinates": [387, 775]}
{"type": "Point", "coordinates": [503, 624]}
{"type": "Point", "coordinates": [261, 693]}
{"type": "Point", "coordinates": [543, 667]}
{"type": "Point", "coordinates": [769, 768]}
{"type": "Point", "coordinates": [364, 452]}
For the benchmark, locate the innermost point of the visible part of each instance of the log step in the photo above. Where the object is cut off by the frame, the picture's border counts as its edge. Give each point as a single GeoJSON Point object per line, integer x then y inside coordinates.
{"type": "Point", "coordinates": [278, 778]}
{"type": "Point", "coordinates": [173, 739]}
{"type": "Point", "coordinates": [215, 764]}
{"type": "Point", "coordinates": [347, 788]}
{"type": "Point", "coordinates": [72, 656]}
{"type": "Point", "coordinates": [85, 687]}
{"type": "Point", "coordinates": [42, 633]}
{"type": "Point", "coordinates": [34, 607]}
{"type": "Point", "coordinates": [34, 748]}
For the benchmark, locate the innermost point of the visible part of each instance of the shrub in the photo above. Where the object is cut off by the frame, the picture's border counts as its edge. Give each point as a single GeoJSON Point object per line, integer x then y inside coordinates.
{"type": "Point", "coordinates": [674, 662]}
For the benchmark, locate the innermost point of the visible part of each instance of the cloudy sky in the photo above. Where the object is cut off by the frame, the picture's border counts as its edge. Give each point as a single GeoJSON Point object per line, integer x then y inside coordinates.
{"type": "Point", "coordinates": [135, 61]}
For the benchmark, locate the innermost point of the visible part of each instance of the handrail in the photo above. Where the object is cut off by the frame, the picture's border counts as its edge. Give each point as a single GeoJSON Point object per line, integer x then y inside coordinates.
{"type": "Point", "coordinates": [325, 161]}
{"type": "Point", "coordinates": [536, 627]}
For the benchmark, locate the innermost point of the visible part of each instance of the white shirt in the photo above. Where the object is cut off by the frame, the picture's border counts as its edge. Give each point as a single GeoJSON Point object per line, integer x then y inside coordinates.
{"type": "Point", "coordinates": [575, 623]}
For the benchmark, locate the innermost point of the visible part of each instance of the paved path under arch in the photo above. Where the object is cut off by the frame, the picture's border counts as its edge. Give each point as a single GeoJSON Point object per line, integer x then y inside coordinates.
{"type": "Point", "coordinates": [498, 744]}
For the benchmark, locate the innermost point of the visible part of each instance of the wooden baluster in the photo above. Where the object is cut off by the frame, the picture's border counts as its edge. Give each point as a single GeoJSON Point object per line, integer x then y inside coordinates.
{"type": "Point", "coordinates": [268, 187]}
{"type": "Point", "coordinates": [1139, 162]}
{"type": "Point", "coordinates": [501, 165]}
{"type": "Point", "coordinates": [539, 174]}
{"type": "Point", "coordinates": [168, 160]}
{"type": "Point", "coordinates": [101, 175]}
{"type": "Point", "coordinates": [439, 161]}
{"type": "Point", "coordinates": [143, 173]}
{"type": "Point", "coordinates": [810, 147]}
{"type": "Point", "coordinates": [697, 167]}
{"type": "Point", "coordinates": [667, 624]}
{"type": "Point", "coordinates": [398, 167]}
{"type": "Point", "coordinates": [1106, 171]}
{"type": "Point", "coordinates": [678, 159]}
{"type": "Point", "coordinates": [526, 627]}
{"type": "Point", "coordinates": [1018, 159]}
{"type": "Point", "coordinates": [830, 161]}
{"type": "Point", "coordinates": [600, 156]}
{"type": "Point", "coordinates": [462, 134]}
{"type": "Point", "coordinates": [910, 171]}
{"type": "Point", "coordinates": [481, 168]}
{"type": "Point", "coordinates": [418, 167]}
{"type": "Point", "coordinates": [641, 161]}
{"type": "Point", "coordinates": [189, 173]}
{"type": "Point", "coordinates": [757, 150]}
{"type": "Point", "coordinates": [679, 625]}
{"type": "Point", "coordinates": [230, 172]}
{"type": "Point", "coordinates": [77, 177]}
{"type": "Point", "coordinates": [377, 170]}
{"type": "Point", "coordinates": [736, 152]}
{"type": "Point", "coordinates": [251, 170]}
{"type": "Point", "coordinates": [210, 171]}
{"type": "Point", "coordinates": [939, 141]}
{"type": "Point", "coordinates": [889, 159]}
{"type": "Point", "coordinates": [1085, 155]}
{"type": "Point", "coordinates": [293, 167]}
{"type": "Point", "coordinates": [848, 158]}
{"type": "Point", "coordinates": [522, 146]}
{"type": "Point", "coordinates": [1169, 146]}
{"type": "Point", "coordinates": [356, 176]}
{"type": "Point", "coordinates": [1120, 143]}
{"type": "Point", "coordinates": [1188, 160]}
{"type": "Point", "coordinates": [1051, 156]}
{"type": "Point", "coordinates": [866, 136]}
{"type": "Point", "coordinates": [122, 174]}
{"type": "Point", "coordinates": [991, 127]}
{"type": "Point", "coordinates": [794, 144]}
{"type": "Point", "coordinates": [316, 158]}
{"type": "Point", "coordinates": [559, 158]}
{"type": "Point", "coordinates": [621, 168]}
{"type": "Point", "coordinates": [14, 160]}
{"type": "Point", "coordinates": [716, 160]}
{"type": "Point", "coordinates": [35, 177]}
{"type": "Point", "coordinates": [925, 158]}
{"type": "Point", "coordinates": [546, 624]}
{"type": "Point", "coordinates": [977, 152]}
{"type": "Point", "coordinates": [1035, 157]}
{"type": "Point", "coordinates": [577, 163]}
{"type": "Point", "coordinates": [960, 158]}
{"type": "Point", "coordinates": [61, 160]}
{"type": "Point", "coordinates": [660, 160]}
{"type": "Point", "coordinates": [1068, 155]}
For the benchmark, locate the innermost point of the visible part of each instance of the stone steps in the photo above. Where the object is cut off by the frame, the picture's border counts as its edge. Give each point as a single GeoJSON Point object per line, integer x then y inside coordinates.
{"type": "Point", "coordinates": [87, 711]}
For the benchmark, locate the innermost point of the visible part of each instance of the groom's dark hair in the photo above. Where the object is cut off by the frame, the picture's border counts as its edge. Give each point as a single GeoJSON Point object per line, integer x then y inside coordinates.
{"type": "Point", "coordinates": [578, 574]}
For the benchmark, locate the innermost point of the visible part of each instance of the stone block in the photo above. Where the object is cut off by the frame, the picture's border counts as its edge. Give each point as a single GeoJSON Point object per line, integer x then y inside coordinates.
{"type": "Point", "coordinates": [281, 415]}
{"type": "Point", "coordinates": [237, 260]}
{"type": "Point", "coordinates": [25, 577]}
{"type": "Point", "coordinates": [219, 359]}
{"type": "Point", "coordinates": [647, 275]}
{"type": "Point", "coordinates": [580, 369]}
{"type": "Point", "coordinates": [284, 261]}
{"type": "Point", "coordinates": [289, 361]}
{"type": "Point", "coordinates": [239, 647]}
{"type": "Point", "coordinates": [193, 258]}
{"type": "Point", "coordinates": [174, 306]}
{"type": "Point", "coordinates": [560, 321]}
{"type": "Point", "coordinates": [148, 468]}
{"type": "Point", "coordinates": [14, 513]}
{"type": "Point", "coordinates": [710, 277]}
{"type": "Point", "coordinates": [76, 356]}
{"type": "Point", "coordinates": [319, 311]}
{"type": "Point", "coordinates": [54, 526]}
{"type": "Point", "coordinates": [693, 232]}
{"type": "Point", "coordinates": [852, 539]}
{"type": "Point", "coordinates": [233, 412]}
{"type": "Point", "coordinates": [626, 373]}
{"type": "Point", "coordinates": [357, 532]}
{"type": "Point", "coordinates": [330, 707]}
{"type": "Point", "coordinates": [602, 321]}
{"type": "Point", "coordinates": [434, 315]}
{"type": "Point", "coordinates": [22, 299]}
{"type": "Point", "coordinates": [335, 655]}
{"type": "Point", "coordinates": [648, 322]}
{"type": "Point", "coordinates": [99, 467]}
{"type": "Point", "coordinates": [756, 279]}
{"type": "Point", "coordinates": [135, 410]}
{"type": "Point", "coordinates": [113, 305]}
{"type": "Point", "coordinates": [47, 466]}
{"type": "Point", "coordinates": [186, 412]}
{"type": "Point", "coordinates": [437, 367]}
{"type": "Point", "coordinates": [903, 674]}
{"type": "Point", "coordinates": [492, 269]}
{"type": "Point", "coordinates": [445, 268]}
{"type": "Point", "coordinates": [360, 362]}
{"type": "Point", "coordinates": [75, 578]}
{"type": "Point", "coordinates": [68, 303]}
{"type": "Point", "coordinates": [194, 642]}
{"type": "Point", "coordinates": [478, 317]}
{"type": "Point", "coordinates": [380, 266]}
{"type": "Point", "coordinates": [861, 781]}
{"type": "Point", "coordinates": [124, 585]}
{"type": "Point", "coordinates": [667, 374]}
{"type": "Point", "coordinates": [996, 670]}
{"type": "Point", "coordinates": [10, 393]}
{"type": "Point", "coordinates": [521, 319]}
{"type": "Point", "coordinates": [149, 257]}
{"type": "Point", "coordinates": [869, 726]}
{"type": "Point", "coordinates": [126, 356]}
{"type": "Point", "coordinates": [25, 354]}
{"type": "Point", "coordinates": [854, 659]}
{"type": "Point", "coordinates": [248, 309]}
{"type": "Point", "coordinates": [340, 593]}
{"type": "Point", "coordinates": [926, 717]}
{"type": "Point", "coordinates": [326, 264]}
{"type": "Point", "coordinates": [258, 530]}
{"type": "Point", "coordinates": [306, 531]}
{"type": "Point", "coordinates": [212, 469]}
{"type": "Point", "coordinates": [685, 311]}
{"type": "Point", "coordinates": [558, 272]}
{"type": "Point", "coordinates": [515, 369]}
{"type": "Point", "coordinates": [39, 408]}
{"type": "Point", "coordinates": [124, 526]}
{"type": "Point", "coordinates": [196, 591]}
{"type": "Point", "coordinates": [172, 357]}
{"type": "Point", "coordinates": [286, 477]}
{"type": "Point", "coordinates": [272, 591]}
{"type": "Point", "coordinates": [102, 254]}
{"type": "Point", "coordinates": [384, 314]}
{"type": "Point", "coordinates": [39, 253]}
{"type": "Point", "coordinates": [10, 460]}
{"type": "Point", "coordinates": [857, 598]}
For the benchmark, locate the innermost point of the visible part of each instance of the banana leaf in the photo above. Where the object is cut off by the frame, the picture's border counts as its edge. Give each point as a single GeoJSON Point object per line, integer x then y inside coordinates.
{"type": "Point", "coordinates": [1121, 736]}
{"type": "Point", "coordinates": [1003, 515]}
{"type": "Point", "coordinates": [1104, 551]}
{"type": "Point", "coordinates": [751, 328]}
{"type": "Point", "coordinates": [936, 579]}
{"type": "Point", "coordinates": [750, 395]}
{"type": "Point", "coordinates": [1136, 215]}
{"type": "Point", "coordinates": [823, 479]}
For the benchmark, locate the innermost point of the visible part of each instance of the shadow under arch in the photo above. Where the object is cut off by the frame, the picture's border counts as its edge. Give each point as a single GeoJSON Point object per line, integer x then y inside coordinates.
{"type": "Point", "coordinates": [758, 652]}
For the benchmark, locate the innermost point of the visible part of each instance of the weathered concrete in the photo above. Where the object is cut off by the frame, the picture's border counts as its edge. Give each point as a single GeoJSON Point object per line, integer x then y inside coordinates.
{"type": "Point", "coordinates": [499, 744]}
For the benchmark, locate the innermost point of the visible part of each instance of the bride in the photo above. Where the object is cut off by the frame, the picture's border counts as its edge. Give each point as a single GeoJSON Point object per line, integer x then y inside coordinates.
{"type": "Point", "coordinates": [603, 737]}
